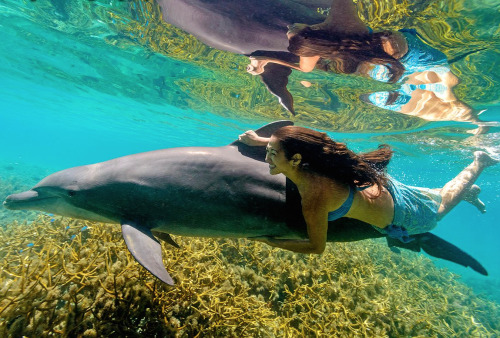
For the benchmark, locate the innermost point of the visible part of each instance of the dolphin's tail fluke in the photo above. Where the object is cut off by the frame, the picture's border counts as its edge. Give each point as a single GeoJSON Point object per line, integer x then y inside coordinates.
{"type": "Point", "coordinates": [439, 248]}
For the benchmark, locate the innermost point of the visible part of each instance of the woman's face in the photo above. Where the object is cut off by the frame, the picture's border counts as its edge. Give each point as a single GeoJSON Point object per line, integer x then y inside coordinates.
{"type": "Point", "coordinates": [275, 156]}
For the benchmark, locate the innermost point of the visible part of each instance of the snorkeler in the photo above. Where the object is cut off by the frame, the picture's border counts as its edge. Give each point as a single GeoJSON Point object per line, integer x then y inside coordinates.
{"type": "Point", "coordinates": [335, 182]}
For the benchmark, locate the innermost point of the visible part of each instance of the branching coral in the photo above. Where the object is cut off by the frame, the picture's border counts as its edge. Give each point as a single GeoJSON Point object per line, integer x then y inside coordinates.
{"type": "Point", "coordinates": [73, 278]}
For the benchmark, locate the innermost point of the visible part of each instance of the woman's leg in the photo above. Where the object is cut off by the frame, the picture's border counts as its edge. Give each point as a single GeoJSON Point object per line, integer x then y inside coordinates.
{"type": "Point", "coordinates": [461, 187]}
{"type": "Point", "coordinates": [471, 196]}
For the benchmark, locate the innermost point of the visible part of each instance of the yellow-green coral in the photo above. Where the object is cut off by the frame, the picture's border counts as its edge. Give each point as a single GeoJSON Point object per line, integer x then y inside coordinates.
{"type": "Point", "coordinates": [76, 278]}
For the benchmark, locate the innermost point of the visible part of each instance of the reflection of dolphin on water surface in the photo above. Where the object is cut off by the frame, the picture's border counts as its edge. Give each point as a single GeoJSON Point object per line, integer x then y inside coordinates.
{"type": "Point", "coordinates": [251, 28]}
{"type": "Point", "coordinates": [197, 191]}
{"type": "Point", "coordinates": [241, 26]}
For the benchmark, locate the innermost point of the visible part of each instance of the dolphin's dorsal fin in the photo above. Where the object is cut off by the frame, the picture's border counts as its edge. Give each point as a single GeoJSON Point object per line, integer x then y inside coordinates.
{"type": "Point", "coordinates": [269, 129]}
{"type": "Point", "coordinates": [146, 250]}
{"type": "Point", "coordinates": [259, 152]}
{"type": "Point", "coordinates": [275, 77]}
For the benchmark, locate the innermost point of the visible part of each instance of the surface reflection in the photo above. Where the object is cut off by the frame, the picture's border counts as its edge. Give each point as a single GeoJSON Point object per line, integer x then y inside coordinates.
{"type": "Point", "coordinates": [344, 44]}
{"type": "Point", "coordinates": [241, 27]}
{"type": "Point", "coordinates": [282, 36]}
{"type": "Point", "coordinates": [253, 28]}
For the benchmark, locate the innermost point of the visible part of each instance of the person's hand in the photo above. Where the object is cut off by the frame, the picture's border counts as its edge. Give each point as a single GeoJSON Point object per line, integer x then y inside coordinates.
{"type": "Point", "coordinates": [251, 138]}
{"type": "Point", "coordinates": [257, 64]}
{"type": "Point", "coordinates": [263, 239]}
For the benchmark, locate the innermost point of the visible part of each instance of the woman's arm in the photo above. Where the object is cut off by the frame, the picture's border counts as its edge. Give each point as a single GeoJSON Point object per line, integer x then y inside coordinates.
{"type": "Point", "coordinates": [317, 228]}
{"type": "Point", "coordinates": [308, 63]}
{"type": "Point", "coordinates": [295, 245]}
{"type": "Point", "coordinates": [250, 138]}
{"type": "Point", "coordinates": [257, 64]}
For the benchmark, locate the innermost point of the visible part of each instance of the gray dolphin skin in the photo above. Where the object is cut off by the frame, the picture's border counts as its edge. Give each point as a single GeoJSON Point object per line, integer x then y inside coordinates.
{"type": "Point", "coordinates": [199, 192]}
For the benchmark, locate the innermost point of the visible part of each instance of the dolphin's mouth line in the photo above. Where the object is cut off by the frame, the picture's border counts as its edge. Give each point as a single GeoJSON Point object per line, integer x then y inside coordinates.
{"type": "Point", "coordinates": [7, 203]}
{"type": "Point", "coordinates": [32, 200]}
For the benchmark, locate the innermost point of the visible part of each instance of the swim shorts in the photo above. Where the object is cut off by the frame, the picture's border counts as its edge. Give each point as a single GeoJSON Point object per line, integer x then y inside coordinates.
{"type": "Point", "coordinates": [415, 210]}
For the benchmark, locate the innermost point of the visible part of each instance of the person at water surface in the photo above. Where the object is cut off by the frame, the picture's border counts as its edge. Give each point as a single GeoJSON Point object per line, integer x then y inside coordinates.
{"type": "Point", "coordinates": [335, 182]}
{"type": "Point", "coordinates": [343, 42]}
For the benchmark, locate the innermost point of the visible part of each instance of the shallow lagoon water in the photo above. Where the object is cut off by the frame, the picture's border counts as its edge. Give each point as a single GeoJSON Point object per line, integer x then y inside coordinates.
{"type": "Point", "coordinates": [77, 90]}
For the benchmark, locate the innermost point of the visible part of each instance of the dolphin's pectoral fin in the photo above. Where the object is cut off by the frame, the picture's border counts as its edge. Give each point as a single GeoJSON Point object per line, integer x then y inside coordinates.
{"type": "Point", "coordinates": [165, 237]}
{"type": "Point", "coordinates": [394, 249]}
{"type": "Point", "coordinates": [146, 250]}
{"type": "Point", "coordinates": [439, 248]}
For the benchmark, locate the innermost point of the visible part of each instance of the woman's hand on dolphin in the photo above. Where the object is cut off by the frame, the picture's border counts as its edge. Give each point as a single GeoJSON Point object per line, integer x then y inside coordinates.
{"type": "Point", "coordinates": [257, 64]}
{"type": "Point", "coordinates": [251, 138]}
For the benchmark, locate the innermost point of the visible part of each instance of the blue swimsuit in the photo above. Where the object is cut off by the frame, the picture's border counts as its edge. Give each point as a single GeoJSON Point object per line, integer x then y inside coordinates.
{"type": "Point", "coordinates": [344, 208]}
{"type": "Point", "coordinates": [415, 210]}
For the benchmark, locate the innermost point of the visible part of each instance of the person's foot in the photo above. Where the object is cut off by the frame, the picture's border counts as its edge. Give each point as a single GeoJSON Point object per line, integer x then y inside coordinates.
{"type": "Point", "coordinates": [472, 196]}
{"type": "Point", "coordinates": [484, 159]}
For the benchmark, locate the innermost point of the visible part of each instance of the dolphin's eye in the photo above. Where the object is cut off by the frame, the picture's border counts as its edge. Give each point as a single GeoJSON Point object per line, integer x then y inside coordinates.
{"type": "Point", "coordinates": [71, 193]}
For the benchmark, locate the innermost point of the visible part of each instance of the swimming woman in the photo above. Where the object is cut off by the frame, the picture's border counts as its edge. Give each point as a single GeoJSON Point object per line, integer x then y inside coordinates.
{"type": "Point", "coordinates": [335, 182]}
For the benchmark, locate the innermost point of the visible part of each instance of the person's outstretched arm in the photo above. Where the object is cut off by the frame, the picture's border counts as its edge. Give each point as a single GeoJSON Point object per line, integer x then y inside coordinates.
{"type": "Point", "coordinates": [257, 64]}
{"type": "Point", "coordinates": [314, 245]}
{"type": "Point", "coordinates": [316, 217]}
{"type": "Point", "coordinates": [251, 138]}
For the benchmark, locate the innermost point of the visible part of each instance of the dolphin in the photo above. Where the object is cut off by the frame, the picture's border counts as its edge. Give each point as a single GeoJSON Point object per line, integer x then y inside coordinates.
{"type": "Point", "coordinates": [200, 192]}
{"type": "Point", "coordinates": [241, 26]}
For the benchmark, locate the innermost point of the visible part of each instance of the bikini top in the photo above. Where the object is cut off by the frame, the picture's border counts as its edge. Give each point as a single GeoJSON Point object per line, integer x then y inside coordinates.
{"type": "Point", "coordinates": [344, 208]}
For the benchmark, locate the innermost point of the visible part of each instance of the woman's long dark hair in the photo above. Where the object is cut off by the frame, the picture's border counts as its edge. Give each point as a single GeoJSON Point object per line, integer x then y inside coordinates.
{"type": "Point", "coordinates": [323, 156]}
{"type": "Point", "coordinates": [350, 49]}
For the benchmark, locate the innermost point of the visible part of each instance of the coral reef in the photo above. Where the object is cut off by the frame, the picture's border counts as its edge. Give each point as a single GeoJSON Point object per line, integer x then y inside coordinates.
{"type": "Point", "coordinates": [75, 278]}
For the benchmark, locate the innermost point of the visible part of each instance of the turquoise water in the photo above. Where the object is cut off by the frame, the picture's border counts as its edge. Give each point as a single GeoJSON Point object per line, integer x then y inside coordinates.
{"type": "Point", "coordinates": [69, 96]}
